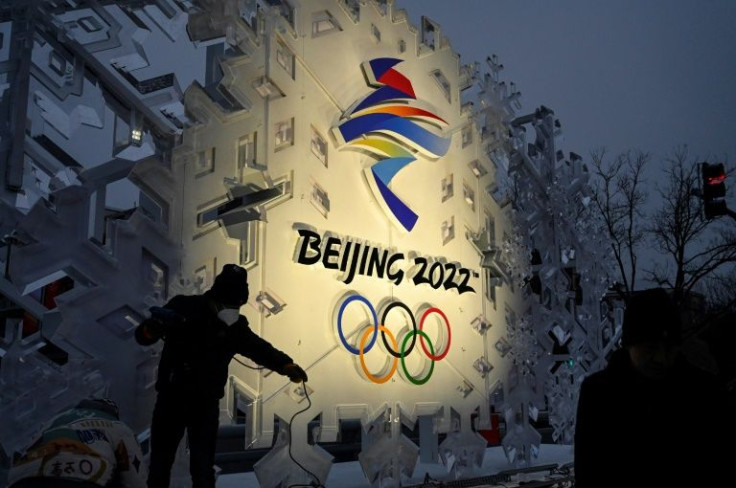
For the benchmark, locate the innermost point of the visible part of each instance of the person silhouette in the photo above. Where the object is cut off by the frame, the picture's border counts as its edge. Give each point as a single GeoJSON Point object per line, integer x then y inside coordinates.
{"type": "Point", "coordinates": [649, 418]}
{"type": "Point", "coordinates": [201, 335]}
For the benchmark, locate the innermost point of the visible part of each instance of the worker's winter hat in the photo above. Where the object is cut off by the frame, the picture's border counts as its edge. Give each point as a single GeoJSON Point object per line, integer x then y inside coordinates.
{"type": "Point", "coordinates": [651, 316]}
{"type": "Point", "coordinates": [231, 285]}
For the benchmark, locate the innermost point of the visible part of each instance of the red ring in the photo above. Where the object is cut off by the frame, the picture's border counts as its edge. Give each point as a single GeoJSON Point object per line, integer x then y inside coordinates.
{"type": "Point", "coordinates": [449, 334]}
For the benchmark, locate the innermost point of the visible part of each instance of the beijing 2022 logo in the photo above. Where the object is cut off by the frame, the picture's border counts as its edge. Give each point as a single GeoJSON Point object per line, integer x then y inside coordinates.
{"type": "Point", "coordinates": [384, 123]}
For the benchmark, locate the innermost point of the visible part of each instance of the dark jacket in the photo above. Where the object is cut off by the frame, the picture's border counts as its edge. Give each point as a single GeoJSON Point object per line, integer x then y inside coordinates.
{"type": "Point", "coordinates": [632, 431]}
{"type": "Point", "coordinates": [197, 351]}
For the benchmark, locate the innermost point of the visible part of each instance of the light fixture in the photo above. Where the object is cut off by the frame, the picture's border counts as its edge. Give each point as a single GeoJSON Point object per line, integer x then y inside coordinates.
{"type": "Point", "coordinates": [136, 136]}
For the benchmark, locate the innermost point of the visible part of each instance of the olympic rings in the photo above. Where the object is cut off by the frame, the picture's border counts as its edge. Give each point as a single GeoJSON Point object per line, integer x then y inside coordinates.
{"type": "Point", "coordinates": [362, 356]}
{"type": "Point", "coordinates": [391, 349]}
{"type": "Point", "coordinates": [449, 334]}
{"type": "Point", "coordinates": [391, 306]}
{"type": "Point", "coordinates": [403, 364]}
{"type": "Point", "coordinates": [344, 341]}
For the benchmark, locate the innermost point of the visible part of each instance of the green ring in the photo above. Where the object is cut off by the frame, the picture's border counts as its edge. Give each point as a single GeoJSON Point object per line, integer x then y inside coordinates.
{"type": "Point", "coordinates": [403, 356]}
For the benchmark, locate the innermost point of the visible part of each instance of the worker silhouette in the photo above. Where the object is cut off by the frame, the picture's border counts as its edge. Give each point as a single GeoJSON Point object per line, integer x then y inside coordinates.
{"type": "Point", "coordinates": [86, 446]}
{"type": "Point", "coordinates": [650, 418]}
{"type": "Point", "coordinates": [201, 334]}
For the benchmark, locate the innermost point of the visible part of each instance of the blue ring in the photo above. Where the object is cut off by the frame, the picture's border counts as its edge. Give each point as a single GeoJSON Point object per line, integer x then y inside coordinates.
{"type": "Point", "coordinates": [339, 324]}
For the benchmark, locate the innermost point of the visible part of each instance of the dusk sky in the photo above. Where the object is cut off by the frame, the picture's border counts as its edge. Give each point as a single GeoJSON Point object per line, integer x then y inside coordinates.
{"type": "Point", "coordinates": [624, 74]}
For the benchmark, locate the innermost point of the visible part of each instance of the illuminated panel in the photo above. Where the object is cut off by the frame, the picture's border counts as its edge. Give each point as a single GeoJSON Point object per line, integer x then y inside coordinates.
{"type": "Point", "coordinates": [373, 223]}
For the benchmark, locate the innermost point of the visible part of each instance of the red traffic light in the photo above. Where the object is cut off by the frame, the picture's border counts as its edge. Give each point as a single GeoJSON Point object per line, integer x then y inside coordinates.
{"type": "Point", "coordinates": [716, 179]}
{"type": "Point", "coordinates": [713, 174]}
{"type": "Point", "coordinates": [714, 190]}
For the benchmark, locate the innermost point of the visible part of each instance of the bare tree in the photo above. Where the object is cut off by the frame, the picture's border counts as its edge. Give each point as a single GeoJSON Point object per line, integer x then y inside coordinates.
{"type": "Point", "coordinates": [619, 195]}
{"type": "Point", "coordinates": [721, 292]}
{"type": "Point", "coordinates": [694, 247]}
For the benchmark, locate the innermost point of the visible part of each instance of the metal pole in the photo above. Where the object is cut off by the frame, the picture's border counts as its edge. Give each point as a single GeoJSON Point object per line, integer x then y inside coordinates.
{"type": "Point", "coordinates": [7, 259]}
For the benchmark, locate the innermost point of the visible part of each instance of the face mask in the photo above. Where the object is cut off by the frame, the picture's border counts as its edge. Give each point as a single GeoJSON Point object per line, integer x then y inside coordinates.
{"type": "Point", "coordinates": [229, 315]}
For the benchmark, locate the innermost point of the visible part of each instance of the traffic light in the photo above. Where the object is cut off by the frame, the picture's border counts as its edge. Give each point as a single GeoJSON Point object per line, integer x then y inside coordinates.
{"type": "Point", "coordinates": [714, 190]}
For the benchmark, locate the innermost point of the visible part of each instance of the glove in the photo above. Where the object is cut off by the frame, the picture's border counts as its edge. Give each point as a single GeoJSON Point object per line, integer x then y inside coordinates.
{"type": "Point", "coordinates": [156, 326]}
{"type": "Point", "coordinates": [166, 316]}
{"type": "Point", "coordinates": [150, 331]}
{"type": "Point", "coordinates": [294, 372]}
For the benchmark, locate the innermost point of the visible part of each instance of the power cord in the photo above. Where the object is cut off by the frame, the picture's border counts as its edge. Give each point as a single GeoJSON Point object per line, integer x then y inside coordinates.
{"type": "Point", "coordinates": [291, 422]}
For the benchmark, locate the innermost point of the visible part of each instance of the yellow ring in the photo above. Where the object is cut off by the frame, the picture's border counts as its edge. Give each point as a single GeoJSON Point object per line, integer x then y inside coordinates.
{"type": "Point", "coordinates": [363, 340]}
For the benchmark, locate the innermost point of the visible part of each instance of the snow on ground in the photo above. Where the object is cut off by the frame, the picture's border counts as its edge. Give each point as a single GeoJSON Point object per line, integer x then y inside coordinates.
{"type": "Point", "coordinates": [349, 475]}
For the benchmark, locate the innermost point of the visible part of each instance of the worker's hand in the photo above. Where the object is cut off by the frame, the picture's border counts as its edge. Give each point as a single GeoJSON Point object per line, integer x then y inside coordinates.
{"type": "Point", "coordinates": [166, 316]}
{"type": "Point", "coordinates": [155, 328]}
{"type": "Point", "coordinates": [294, 372]}
{"type": "Point", "coordinates": [150, 331]}
{"type": "Point", "coordinates": [160, 322]}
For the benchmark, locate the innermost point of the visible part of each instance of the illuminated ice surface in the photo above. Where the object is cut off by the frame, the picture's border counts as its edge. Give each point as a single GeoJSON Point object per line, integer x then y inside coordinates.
{"type": "Point", "coordinates": [130, 176]}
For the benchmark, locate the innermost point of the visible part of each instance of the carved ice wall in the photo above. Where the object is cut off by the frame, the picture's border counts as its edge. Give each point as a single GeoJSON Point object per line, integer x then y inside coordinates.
{"type": "Point", "coordinates": [566, 325]}
{"type": "Point", "coordinates": [87, 92]}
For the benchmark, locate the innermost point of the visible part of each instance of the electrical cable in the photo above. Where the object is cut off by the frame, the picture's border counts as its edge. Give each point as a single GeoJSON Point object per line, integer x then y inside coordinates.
{"type": "Point", "coordinates": [291, 422]}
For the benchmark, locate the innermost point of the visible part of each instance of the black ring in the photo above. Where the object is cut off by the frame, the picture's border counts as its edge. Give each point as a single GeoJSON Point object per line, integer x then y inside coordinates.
{"type": "Point", "coordinates": [413, 323]}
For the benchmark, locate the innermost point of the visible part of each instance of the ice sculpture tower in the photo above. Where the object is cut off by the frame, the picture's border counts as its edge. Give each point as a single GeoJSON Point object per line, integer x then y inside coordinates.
{"type": "Point", "coordinates": [333, 157]}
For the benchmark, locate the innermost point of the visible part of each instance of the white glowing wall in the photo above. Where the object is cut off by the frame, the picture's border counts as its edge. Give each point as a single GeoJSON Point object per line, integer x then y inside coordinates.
{"type": "Point", "coordinates": [325, 81]}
